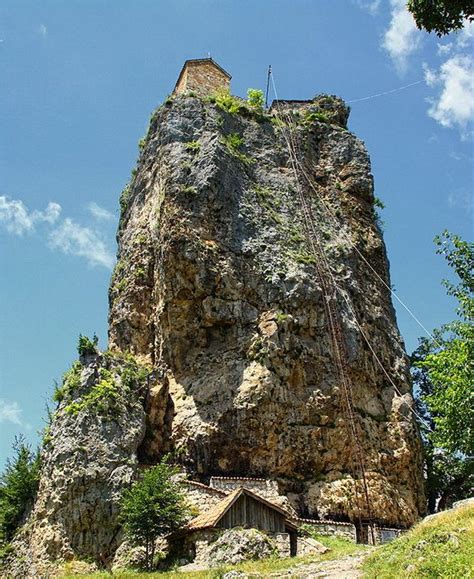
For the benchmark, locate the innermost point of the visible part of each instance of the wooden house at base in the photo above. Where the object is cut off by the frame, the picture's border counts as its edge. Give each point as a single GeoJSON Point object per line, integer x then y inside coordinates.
{"type": "Point", "coordinates": [240, 508]}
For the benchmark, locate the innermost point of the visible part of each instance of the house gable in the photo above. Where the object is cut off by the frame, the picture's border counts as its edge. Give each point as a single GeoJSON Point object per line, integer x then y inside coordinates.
{"type": "Point", "coordinates": [242, 508]}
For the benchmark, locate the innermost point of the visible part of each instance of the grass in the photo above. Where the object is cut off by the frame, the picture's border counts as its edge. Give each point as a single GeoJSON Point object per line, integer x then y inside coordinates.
{"type": "Point", "coordinates": [339, 548]}
{"type": "Point", "coordinates": [440, 547]}
{"type": "Point", "coordinates": [193, 146]}
{"type": "Point", "coordinates": [309, 117]}
{"type": "Point", "coordinates": [236, 106]}
{"type": "Point", "coordinates": [234, 143]}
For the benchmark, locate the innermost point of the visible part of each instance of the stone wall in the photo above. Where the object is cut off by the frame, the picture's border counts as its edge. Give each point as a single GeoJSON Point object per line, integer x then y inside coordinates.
{"type": "Point", "coordinates": [268, 489]}
{"type": "Point", "coordinates": [333, 528]}
{"type": "Point", "coordinates": [385, 535]}
{"type": "Point", "coordinates": [197, 545]}
{"type": "Point", "coordinates": [201, 77]}
{"type": "Point", "coordinates": [201, 496]}
{"type": "Point", "coordinates": [282, 541]}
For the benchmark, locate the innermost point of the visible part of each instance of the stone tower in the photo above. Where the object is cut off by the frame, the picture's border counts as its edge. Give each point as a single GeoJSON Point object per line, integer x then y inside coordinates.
{"type": "Point", "coordinates": [202, 76]}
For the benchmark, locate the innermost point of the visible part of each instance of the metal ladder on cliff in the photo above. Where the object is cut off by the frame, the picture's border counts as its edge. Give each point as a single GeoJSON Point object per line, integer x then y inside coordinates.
{"type": "Point", "coordinates": [330, 292]}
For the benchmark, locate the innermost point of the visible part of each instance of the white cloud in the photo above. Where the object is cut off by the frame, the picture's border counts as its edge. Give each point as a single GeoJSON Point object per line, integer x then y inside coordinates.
{"type": "Point", "coordinates": [402, 37]}
{"type": "Point", "coordinates": [465, 36]}
{"type": "Point", "coordinates": [16, 218]}
{"type": "Point", "coordinates": [100, 213]}
{"type": "Point", "coordinates": [43, 30]}
{"type": "Point", "coordinates": [454, 104]}
{"type": "Point", "coordinates": [372, 6]}
{"type": "Point", "coordinates": [453, 81]}
{"type": "Point", "coordinates": [462, 200]}
{"type": "Point", "coordinates": [66, 235]}
{"type": "Point", "coordinates": [460, 40]}
{"type": "Point", "coordinates": [444, 49]}
{"type": "Point", "coordinates": [74, 239]}
{"type": "Point", "coordinates": [10, 412]}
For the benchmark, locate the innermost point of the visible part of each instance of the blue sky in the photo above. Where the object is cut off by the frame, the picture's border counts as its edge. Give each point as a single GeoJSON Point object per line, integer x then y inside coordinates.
{"type": "Point", "coordinates": [79, 82]}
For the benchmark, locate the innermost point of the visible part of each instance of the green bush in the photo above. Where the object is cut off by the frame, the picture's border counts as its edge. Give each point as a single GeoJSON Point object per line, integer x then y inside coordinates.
{"type": "Point", "coordinates": [18, 487]}
{"type": "Point", "coordinates": [71, 381]}
{"type": "Point", "coordinates": [225, 101]}
{"type": "Point", "coordinates": [234, 142]}
{"type": "Point", "coordinates": [194, 146]}
{"type": "Point", "coordinates": [310, 117]}
{"type": "Point", "coordinates": [379, 203]}
{"type": "Point", "coordinates": [188, 189]}
{"type": "Point", "coordinates": [281, 317]}
{"type": "Point", "coordinates": [153, 507]}
{"type": "Point", "coordinates": [255, 98]}
{"type": "Point", "coordinates": [112, 390]}
{"type": "Point", "coordinates": [101, 397]}
{"type": "Point", "coordinates": [377, 217]}
{"type": "Point", "coordinates": [86, 346]}
{"type": "Point", "coordinates": [303, 257]}
{"type": "Point", "coordinates": [124, 198]}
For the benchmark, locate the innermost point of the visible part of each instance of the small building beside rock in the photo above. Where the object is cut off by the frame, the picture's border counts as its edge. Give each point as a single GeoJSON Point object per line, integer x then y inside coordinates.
{"type": "Point", "coordinates": [239, 509]}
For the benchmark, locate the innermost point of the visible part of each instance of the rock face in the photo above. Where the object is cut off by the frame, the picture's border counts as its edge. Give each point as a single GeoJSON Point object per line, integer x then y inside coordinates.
{"type": "Point", "coordinates": [89, 457]}
{"type": "Point", "coordinates": [220, 293]}
{"type": "Point", "coordinates": [216, 287]}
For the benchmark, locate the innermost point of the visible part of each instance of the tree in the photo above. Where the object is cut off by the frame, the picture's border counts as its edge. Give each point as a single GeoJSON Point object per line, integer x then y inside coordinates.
{"type": "Point", "coordinates": [18, 487]}
{"type": "Point", "coordinates": [441, 16]}
{"type": "Point", "coordinates": [449, 359]}
{"type": "Point", "coordinates": [448, 475]}
{"type": "Point", "coordinates": [152, 507]}
{"type": "Point", "coordinates": [443, 374]}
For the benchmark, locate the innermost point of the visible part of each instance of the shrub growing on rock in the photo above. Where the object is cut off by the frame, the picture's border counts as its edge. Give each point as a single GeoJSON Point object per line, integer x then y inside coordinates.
{"type": "Point", "coordinates": [255, 98]}
{"type": "Point", "coordinates": [86, 346]}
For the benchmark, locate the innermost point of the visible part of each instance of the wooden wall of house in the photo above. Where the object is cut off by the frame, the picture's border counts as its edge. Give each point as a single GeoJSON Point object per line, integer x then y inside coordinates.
{"type": "Point", "coordinates": [249, 513]}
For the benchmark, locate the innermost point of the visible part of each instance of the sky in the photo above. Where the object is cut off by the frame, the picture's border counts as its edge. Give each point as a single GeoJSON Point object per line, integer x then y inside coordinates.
{"type": "Point", "coordinates": [79, 82]}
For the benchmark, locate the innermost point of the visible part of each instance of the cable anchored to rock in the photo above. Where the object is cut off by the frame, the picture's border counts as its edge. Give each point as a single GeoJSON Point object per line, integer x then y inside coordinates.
{"type": "Point", "coordinates": [374, 96]}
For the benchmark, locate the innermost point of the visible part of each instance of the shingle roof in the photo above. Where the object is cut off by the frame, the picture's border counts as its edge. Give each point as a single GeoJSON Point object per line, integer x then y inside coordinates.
{"type": "Point", "coordinates": [324, 522]}
{"type": "Point", "coordinates": [215, 513]}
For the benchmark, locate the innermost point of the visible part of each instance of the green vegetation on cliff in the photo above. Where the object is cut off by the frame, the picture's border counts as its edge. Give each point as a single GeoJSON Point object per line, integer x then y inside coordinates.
{"type": "Point", "coordinates": [115, 381]}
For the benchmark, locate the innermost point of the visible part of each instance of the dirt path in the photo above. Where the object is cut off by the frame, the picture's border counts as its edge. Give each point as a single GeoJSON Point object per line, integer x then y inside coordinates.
{"type": "Point", "coordinates": [347, 567]}
{"type": "Point", "coordinates": [344, 568]}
